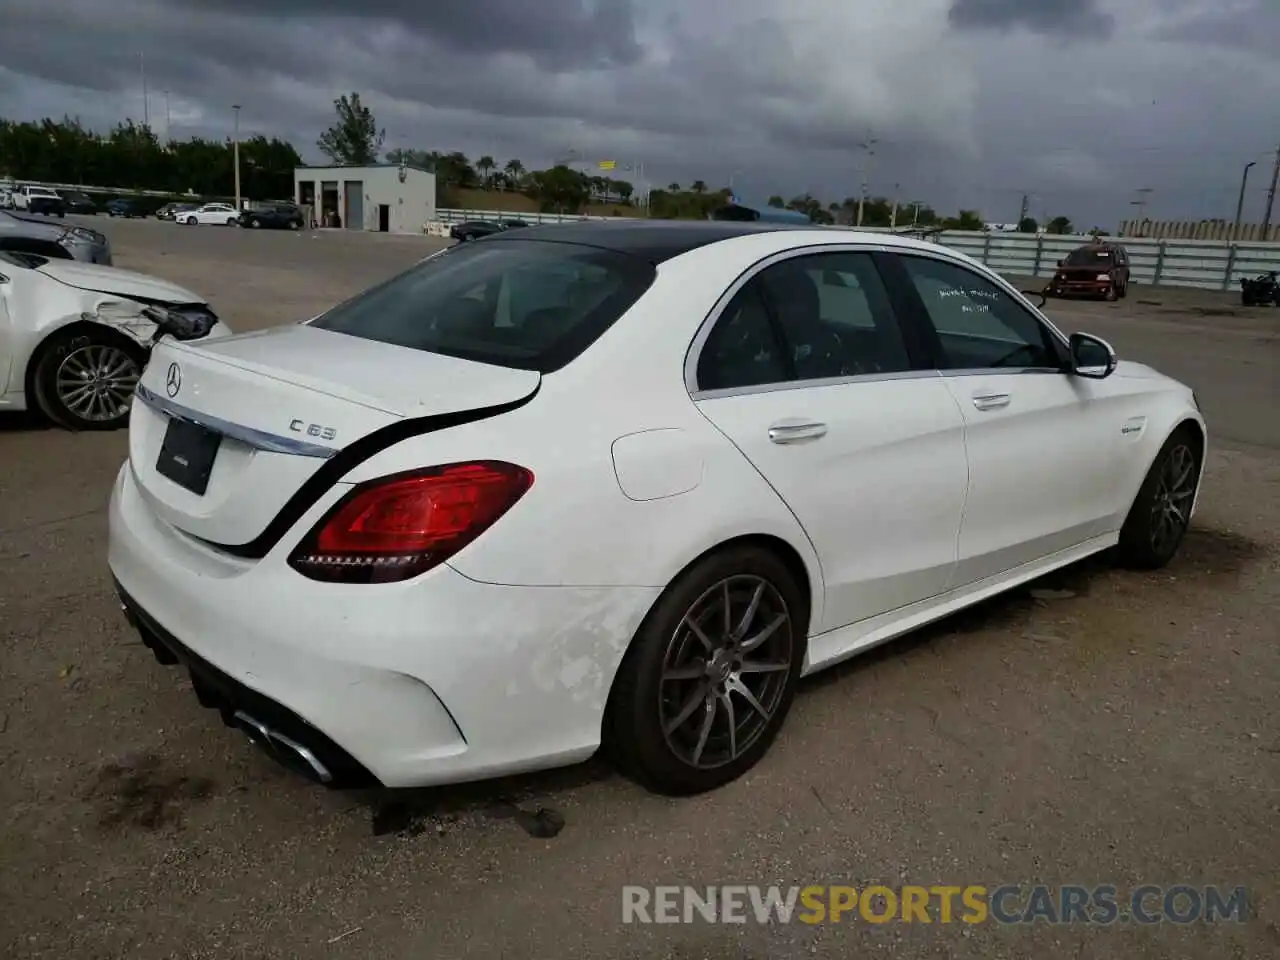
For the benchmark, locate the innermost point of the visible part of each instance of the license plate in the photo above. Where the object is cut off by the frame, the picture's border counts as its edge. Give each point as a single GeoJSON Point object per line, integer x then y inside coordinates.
{"type": "Point", "coordinates": [187, 454]}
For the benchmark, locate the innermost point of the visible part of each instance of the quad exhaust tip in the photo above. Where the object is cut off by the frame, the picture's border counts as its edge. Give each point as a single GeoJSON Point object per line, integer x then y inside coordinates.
{"type": "Point", "coordinates": [284, 748]}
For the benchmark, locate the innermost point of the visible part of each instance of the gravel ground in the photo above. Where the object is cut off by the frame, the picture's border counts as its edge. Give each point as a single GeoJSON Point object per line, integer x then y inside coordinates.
{"type": "Point", "coordinates": [1122, 730]}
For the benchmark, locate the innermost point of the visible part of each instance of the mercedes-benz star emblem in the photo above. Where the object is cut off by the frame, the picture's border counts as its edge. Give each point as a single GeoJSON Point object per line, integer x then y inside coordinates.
{"type": "Point", "coordinates": [173, 380]}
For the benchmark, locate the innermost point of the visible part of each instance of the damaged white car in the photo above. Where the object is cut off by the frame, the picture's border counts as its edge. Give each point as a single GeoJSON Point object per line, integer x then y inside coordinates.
{"type": "Point", "coordinates": [75, 338]}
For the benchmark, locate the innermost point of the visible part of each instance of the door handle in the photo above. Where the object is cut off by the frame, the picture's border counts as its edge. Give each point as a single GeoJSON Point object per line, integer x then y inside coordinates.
{"type": "Point", "coordinates": [794, 431]}
{"type": "Point", "coordinates": [990, 401]}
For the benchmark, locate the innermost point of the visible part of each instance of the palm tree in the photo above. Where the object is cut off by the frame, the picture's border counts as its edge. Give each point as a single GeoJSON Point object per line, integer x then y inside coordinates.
{"type": "Point", "coordinates": [673, 187]}
{"type": "Point", "coordinates": [485, 164]}
{"type": "Point", "coordinates": [699, 186]}
{"type": "Point", "coordinates": [515, 171]}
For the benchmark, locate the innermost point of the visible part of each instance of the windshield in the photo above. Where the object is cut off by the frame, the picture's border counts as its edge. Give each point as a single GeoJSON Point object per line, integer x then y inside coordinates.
{"type": "Point", "coordinates": [514, 303]}
{"type": "Point", "coordinates": [1090, 256]}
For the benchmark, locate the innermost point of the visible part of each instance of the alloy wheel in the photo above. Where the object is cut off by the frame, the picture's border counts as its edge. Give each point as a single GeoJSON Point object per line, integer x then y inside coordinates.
{"type": "Point", "coordinates": [95, 382]}
{"type": "Point", "coordinates": [725, 671]}
{"type": "Point", "coordinates": [1175, 491]}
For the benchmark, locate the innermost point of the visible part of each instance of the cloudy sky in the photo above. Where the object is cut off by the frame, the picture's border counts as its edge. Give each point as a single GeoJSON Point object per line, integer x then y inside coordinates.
{"type": "Point", "coordinates": [1079, 103]}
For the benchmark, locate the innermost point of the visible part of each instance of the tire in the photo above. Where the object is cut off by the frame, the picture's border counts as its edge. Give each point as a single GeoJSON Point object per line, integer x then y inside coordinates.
{"type": "Point", "coordinates": [695, 754]}
{"type": "Point", "coordinates": [255, 223]}
{"type": "Point", "coordinates": [295, 224]}
{"type": "Point", "coordinates": [192, 221]}
{"type": "Point", "coordinates": [68, 356]}
{"type": "Point", "coordinates": [1112, 294]}
{"type": "Point", "coordinates": [1124, 290]}
{"type": "Point", "coordinates": [1152, 533]}
{"type": "Point", "coordinates": [232, 221]}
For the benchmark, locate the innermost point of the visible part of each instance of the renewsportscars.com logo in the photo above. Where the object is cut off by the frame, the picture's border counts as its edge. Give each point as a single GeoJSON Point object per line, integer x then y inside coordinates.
{"type": "Point", "coordinates": [1009, 904]}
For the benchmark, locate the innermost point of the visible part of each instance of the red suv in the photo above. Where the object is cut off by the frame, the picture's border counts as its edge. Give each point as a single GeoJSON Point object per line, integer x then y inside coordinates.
{"type": "Point", "coordinates": [1096, 269]}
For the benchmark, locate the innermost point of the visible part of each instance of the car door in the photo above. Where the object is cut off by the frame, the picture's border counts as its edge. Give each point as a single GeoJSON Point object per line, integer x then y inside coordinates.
{"type": "Point", "coordinates": [1043, 445]}
{"type": "Point", "coordinates": [809, 373]}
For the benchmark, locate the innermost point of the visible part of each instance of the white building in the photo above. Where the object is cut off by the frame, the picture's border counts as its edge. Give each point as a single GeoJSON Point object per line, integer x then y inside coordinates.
{"type": "Point", "coordinates": [382, 197]}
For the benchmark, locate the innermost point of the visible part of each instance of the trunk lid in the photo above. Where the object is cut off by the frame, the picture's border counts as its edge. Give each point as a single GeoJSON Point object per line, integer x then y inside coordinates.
{"type": "Point", "coordinates": [282, 402]}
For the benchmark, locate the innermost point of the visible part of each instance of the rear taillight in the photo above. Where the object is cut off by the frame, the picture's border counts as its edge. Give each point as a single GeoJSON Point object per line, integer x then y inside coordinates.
{"type": "Point", "coordinates": [400, 526]}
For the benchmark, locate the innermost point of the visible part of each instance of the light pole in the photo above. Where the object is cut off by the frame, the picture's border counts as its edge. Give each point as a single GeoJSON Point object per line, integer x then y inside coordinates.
{"type": "Point", "coordinates": [1144, 195]}
{"type": "Point", "coordinates": [1244, 180]}
{"type": "Point", "coordinates": [869, 147]}
{"type": "Point", "coordinates": [235, 151]}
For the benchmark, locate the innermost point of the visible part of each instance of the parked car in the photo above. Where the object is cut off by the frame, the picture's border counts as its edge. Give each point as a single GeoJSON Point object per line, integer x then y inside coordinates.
{"type": "Point", "coordinates": [1099, 269]}
{"type": "Point", "coordinates": [280, 215]}
{"type": "Point", "coordinates": [79, 335]}
{"type": "Point", "coordinates": [125, 207]}
{"type": "Point", "coordinates": [32, 199]}
{"type": "Point", "coordinates": [475, 229]}
{"type": "Point", "coordinates": [513, 224]}
{"type": "Point", "coordinates": [619, 481]}
{"type": "Point", "coordinates": [79, 202]}
{"type": "Point", "coordinates": [172, 211]}
{"type": "Point", "coordinates": [57, 241]}
{"type": "Point", "coordinates": [223, 214]}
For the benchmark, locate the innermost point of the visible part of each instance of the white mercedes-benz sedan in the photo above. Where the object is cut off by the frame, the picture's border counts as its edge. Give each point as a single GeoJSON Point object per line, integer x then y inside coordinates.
{"type": "Point", "coordinates": [620, 485]}
{"type": "Point", "coordinates": [75, 337]}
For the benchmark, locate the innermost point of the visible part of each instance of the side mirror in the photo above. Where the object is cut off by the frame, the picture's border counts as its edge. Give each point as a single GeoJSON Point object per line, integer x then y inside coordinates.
{"type": "Point", "coordinates": [1062, 263]}
{"type": "Point", "coordinates": [1092, 357]}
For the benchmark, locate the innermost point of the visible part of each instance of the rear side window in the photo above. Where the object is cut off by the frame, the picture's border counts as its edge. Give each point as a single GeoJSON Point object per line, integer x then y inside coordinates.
{"type": "Point", "coordinates": [526, 304]}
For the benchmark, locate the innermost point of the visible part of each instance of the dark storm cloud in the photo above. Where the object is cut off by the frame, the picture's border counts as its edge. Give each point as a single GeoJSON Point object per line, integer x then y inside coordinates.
{"type": "Point", "coordinates": [1073, 18]}
{"type": "Point", "coordinates": [1254, 28]}
{"type": "Point", "coordinates": [774, 94]}
{"type": "Point", "coordinates": [557, 34]}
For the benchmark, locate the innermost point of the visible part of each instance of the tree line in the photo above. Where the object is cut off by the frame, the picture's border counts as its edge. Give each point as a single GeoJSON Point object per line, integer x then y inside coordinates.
{"type": "Point", "coordinates": [131, 157]}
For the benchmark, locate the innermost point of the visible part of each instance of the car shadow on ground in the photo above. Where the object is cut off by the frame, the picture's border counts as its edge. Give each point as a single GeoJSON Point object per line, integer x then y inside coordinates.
{"type": "Point", "coordinates": [530, 800]}
{"type": "Point", "coordinates": [27, 421]}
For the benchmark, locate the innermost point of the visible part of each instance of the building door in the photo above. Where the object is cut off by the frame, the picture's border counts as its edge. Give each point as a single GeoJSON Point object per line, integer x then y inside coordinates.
{"type": "Point", "coordinates": [353, 219]}
{"type": "Point", "coordinates": [384, 217]}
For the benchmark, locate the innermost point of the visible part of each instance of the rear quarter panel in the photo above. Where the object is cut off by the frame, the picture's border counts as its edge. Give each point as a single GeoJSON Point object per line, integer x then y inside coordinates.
{"type": "Point", "coordinates": [576, 526]}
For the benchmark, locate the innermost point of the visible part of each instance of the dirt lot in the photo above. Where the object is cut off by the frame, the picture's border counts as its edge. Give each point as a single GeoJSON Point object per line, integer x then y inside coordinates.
{"type": "Point", "coordinates": [1128, 732]}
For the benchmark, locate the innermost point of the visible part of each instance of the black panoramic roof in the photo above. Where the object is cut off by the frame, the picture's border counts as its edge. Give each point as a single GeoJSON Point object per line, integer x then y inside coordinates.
{"type": "Point", "coordinates": [651, 240]}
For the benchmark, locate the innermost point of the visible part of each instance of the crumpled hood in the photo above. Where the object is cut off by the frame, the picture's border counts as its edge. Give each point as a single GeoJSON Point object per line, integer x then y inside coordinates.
{"type": "Point", "coordinates": [122, 283]}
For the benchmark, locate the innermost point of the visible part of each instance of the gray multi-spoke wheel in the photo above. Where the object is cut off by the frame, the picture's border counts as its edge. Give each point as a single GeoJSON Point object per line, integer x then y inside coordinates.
{"type": "Point", "coordinates": [84, 380]}
{"type": "Point", "coordinates": [711, 674]}
{"type": "Point", "coordinates": [1161, 512]}
{"type": "Point", "coordinates": [725, 671]}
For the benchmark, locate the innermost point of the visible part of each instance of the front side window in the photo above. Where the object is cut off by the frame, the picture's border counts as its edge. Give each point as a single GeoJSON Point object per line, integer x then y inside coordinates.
{"type": "Point", "coordinates": [979, 326]}
{"type": "Point", "coordinates": [525, 304]}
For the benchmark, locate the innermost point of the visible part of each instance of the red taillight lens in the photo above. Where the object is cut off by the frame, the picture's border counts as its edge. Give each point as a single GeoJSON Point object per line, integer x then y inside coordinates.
{"type": "Point", "coordinates": [400, 526]}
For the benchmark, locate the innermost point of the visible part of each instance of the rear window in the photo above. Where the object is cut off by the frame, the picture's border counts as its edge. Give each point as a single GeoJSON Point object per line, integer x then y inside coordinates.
{"type": "Point", "coordinates": [514, 303]}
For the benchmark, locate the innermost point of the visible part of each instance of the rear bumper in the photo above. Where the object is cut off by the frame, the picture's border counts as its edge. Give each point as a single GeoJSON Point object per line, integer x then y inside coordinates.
{"type": "Point", "coordinates": [437, 680]}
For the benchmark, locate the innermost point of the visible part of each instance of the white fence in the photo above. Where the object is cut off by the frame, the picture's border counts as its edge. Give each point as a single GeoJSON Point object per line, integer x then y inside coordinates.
{"type": "Point", "coordinates": [445, 215]}
{"type": "Point", "coordinates": [1207, 264]}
